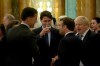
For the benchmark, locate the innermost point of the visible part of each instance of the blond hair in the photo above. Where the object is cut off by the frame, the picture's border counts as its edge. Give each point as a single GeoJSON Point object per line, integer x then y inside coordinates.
{"type": "Point", "coordinates": [83, 20]}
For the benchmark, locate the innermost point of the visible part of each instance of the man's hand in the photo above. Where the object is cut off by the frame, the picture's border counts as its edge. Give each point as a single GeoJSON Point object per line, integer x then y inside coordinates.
{"type": "Point", "coordinates": [44, 31]}
{"type": "Point", "coordinates": [53, 60]}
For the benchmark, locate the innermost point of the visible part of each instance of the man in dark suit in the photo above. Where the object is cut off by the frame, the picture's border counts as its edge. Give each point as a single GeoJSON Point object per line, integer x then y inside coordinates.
{"type": "Point", "coordinates": [20, 40]}
{"type": "Point", "coordinates": [2, 43]}
{"type": "Point", "coordinates": [47, 39]}
{"type": "Point", "coordinates": [91, 42]}
{"type": "Point", "coordinates": [69, 46]}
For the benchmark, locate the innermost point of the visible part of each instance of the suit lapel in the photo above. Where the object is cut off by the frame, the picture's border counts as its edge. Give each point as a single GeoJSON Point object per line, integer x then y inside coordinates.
{"type": "Point", "coordinates": [88, 35]}
{"type": "Point", "coordinates": [70, 34]}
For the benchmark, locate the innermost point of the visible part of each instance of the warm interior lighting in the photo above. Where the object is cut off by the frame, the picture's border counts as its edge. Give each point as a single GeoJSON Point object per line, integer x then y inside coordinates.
{"type": "Point", "coordinates": [41, 6]}
{"type": "Point", "coordinates": [40, 9]}
{"type": "Point", "coordinates": [48, 7]}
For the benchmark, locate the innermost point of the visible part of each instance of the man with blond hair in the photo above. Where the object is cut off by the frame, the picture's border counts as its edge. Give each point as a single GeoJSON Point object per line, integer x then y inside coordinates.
{"type": "Point", "coordinates": [90, 47]}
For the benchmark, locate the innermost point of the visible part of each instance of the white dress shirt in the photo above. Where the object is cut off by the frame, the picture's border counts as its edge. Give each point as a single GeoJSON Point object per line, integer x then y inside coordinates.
{"type": "Point", "coordinates": [49, 36]}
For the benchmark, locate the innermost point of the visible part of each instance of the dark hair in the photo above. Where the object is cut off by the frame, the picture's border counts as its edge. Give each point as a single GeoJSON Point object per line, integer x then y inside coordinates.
{"type": "Point", "coordinates": [28, 12]}
{"type": "Point", "coordinates": [69, 22]}
{"type": "Point", "coordinates": [97, 19]}
{"type": "Point", "coordinates": [45, 13]}
{"type": "Point", "coordinates": [54, 20]}
{"type": "Point", "coordinates": [2, 28]}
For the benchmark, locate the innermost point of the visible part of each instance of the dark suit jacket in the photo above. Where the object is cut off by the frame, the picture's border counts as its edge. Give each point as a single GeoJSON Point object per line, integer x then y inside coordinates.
{"type": "Point", "coordinates": [46, 51]}
{"type": "Point", "coordinates": [90, 49]}
{"type": "Point", "coordinates": [98, 32]}
{"type": "Point", "coordinates": [69, 51]}
{"type": "Point", "coordinates": [2, 52]}
{"type": "Point", "coordinates": [21, 46]}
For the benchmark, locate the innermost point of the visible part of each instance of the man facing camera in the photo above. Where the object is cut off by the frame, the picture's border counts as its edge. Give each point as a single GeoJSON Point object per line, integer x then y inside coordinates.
{"type": "Point", "coordinates": [90, 42]}
{"type": "Point", "coordinates": [47, 39]}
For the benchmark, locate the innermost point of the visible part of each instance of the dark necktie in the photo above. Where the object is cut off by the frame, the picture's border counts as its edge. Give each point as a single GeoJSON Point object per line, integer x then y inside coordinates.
{"type": "Point", "coordinates": [46, 37]}
{"type": "Point", "coordinates": [80, 36]}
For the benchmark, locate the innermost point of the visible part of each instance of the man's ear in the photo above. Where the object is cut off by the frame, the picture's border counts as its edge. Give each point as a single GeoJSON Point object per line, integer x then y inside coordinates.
{"type": "Point", "coordinates": [28, 19]}
{"type": "Point", "coordinates": [99, 24]}
{"type": "Point", "coordinates": [65, 26]}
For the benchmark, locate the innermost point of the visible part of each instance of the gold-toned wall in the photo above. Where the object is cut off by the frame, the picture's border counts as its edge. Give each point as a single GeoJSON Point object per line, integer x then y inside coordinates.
{"type": "Point", "coordinates": [59, 8]}
{"type": "Point", "coordinates": [1, 10]}
{"type": "Point", "coordinates": [23, 4]}
{"type": "Point", "coordinates": [86, 8]}
{"type": "Point", "coordinates": [5, 7]}
{"type": "Point", "coordinates": [13, 7]}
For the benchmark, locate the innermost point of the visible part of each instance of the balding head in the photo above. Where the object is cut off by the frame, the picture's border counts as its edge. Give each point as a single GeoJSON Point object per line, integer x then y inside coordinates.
{"type": "Point", "coordinates": [7, 19]}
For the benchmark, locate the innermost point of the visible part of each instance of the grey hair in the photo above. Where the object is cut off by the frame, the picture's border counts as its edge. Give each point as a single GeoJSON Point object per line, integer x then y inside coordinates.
{"type": "Point", "coordinates": [9, 17]}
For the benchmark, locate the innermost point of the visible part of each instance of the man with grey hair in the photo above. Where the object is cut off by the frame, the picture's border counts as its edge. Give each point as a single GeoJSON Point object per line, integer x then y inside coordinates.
{"type": "Point", "coordinates": [90, 40]}
{"type": "Point", "coordinates": [7, 19]}
{"type": "Point", "coordinates": [61, 17]}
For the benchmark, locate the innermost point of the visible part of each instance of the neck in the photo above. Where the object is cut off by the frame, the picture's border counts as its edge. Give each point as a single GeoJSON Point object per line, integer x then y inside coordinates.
{"type": "Point", "coordinates": [69, 31]}
{"type": "Point", "coordinates": [98, 29]}
{"type": "Point", "coordinates": [25, 23]}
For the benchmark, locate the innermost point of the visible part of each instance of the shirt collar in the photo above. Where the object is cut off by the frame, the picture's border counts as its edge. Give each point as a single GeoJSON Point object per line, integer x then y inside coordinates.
{"type": "Point", "coordinates": [68, 32]}
{"type": "Point", "coordinates": [25, 24]}
{"type": "Point", "coordinates": [85, 33]}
